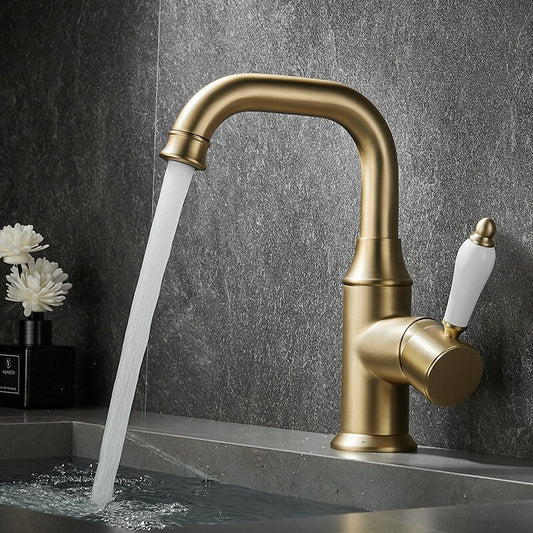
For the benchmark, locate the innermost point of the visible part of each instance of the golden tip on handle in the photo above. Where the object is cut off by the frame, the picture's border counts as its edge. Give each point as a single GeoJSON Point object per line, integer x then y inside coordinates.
{"type": "Point", "coordinates": [485, 230]}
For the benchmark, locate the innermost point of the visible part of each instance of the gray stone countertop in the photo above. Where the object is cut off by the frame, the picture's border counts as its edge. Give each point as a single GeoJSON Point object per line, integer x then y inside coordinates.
{"type": "Point", "coordinates": [435, 459]}
{"type": "Point", "coordinates": [438, 470]}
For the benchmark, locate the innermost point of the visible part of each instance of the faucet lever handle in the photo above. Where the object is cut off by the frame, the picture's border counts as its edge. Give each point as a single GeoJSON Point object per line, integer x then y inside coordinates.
{"type": "Point", "coordinates": [473, 265]}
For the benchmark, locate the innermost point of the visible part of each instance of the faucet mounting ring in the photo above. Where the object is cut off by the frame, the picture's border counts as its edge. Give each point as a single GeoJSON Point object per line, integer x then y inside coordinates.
{"type": "Point", "coordinates": [373, 443]}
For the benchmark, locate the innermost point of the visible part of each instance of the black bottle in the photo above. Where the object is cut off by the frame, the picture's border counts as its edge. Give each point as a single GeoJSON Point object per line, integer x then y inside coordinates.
{"type": "Point", "coordinates": [36, 374]}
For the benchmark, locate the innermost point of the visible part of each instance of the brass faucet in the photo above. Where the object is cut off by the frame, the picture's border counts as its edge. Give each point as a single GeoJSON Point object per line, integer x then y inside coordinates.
{"type": "Point", "coordinates": [385, 349]}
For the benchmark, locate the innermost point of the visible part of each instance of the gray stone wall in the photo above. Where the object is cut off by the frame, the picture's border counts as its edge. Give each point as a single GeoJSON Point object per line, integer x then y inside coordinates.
{"type": "Point", "coordinates": [249, 323]}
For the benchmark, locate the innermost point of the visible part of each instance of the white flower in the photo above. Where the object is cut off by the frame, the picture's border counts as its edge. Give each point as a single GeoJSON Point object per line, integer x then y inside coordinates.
{"type": "Point", "coordinates": [38, 286]}
{"type": "Point", "coordinates": [16, 244]}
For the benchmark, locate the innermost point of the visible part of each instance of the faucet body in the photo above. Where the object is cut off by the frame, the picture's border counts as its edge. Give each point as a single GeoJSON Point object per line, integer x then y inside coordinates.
{"type": "Point", "coordinates": [385, 349]}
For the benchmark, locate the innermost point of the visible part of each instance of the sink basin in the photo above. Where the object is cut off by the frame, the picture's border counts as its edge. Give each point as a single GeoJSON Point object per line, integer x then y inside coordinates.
{"type": "Point", "coordinates": [283, 462]}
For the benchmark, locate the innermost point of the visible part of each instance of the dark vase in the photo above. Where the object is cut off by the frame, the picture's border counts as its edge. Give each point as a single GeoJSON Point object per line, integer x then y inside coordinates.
{"type": "Point", "coordinates": [35, 373]}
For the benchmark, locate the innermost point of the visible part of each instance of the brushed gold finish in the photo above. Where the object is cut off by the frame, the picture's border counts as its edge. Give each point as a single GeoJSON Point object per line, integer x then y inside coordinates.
{"type": "Point", "coordinates": [384, 348]}
{"type": "Point", "coordinates": [224, 97]}
{"type": "Point", "coordinates": [485, 230]}
{"type": "Point", "coordinates": [452, 331]}
{"type": "Point", "coordinates": [350, 442]}
{"type": "Point", "coordinates": [378, 262]}
{"type": "Point", "coordinates": [443, 369]}
{"type": "Point", "coordinates": [371, 405]}
{"type": "Point", "coordinates": [186, 148]}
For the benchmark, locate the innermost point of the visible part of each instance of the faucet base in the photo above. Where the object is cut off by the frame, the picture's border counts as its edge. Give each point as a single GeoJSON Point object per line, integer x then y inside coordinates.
{"type": "Point", "coordinates": [359, 442]}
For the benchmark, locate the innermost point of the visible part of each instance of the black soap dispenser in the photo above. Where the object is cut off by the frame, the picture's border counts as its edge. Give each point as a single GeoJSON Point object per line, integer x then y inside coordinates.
{"type": "Point", "coordinates": [36, 374]}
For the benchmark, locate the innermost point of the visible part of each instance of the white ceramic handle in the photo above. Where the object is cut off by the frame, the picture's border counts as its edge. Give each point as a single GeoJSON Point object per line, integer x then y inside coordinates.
{"type": "Point", "coordinates": [473, 265]}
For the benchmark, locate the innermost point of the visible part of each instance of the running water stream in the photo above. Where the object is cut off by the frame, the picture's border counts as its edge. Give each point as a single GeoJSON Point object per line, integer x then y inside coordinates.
{"type": "Point", "coordinates": [173, 191]}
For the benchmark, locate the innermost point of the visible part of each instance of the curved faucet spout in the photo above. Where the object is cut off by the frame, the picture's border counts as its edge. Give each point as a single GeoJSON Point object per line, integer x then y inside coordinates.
{"type": "Point", "coordinates": [190, 135]}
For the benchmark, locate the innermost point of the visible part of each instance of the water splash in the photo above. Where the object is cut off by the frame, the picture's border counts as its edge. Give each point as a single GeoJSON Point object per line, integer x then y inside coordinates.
{"type": "Point", "coordinates": [173, 191]}
{"type": "Point", "coordinates": [141, 501]}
